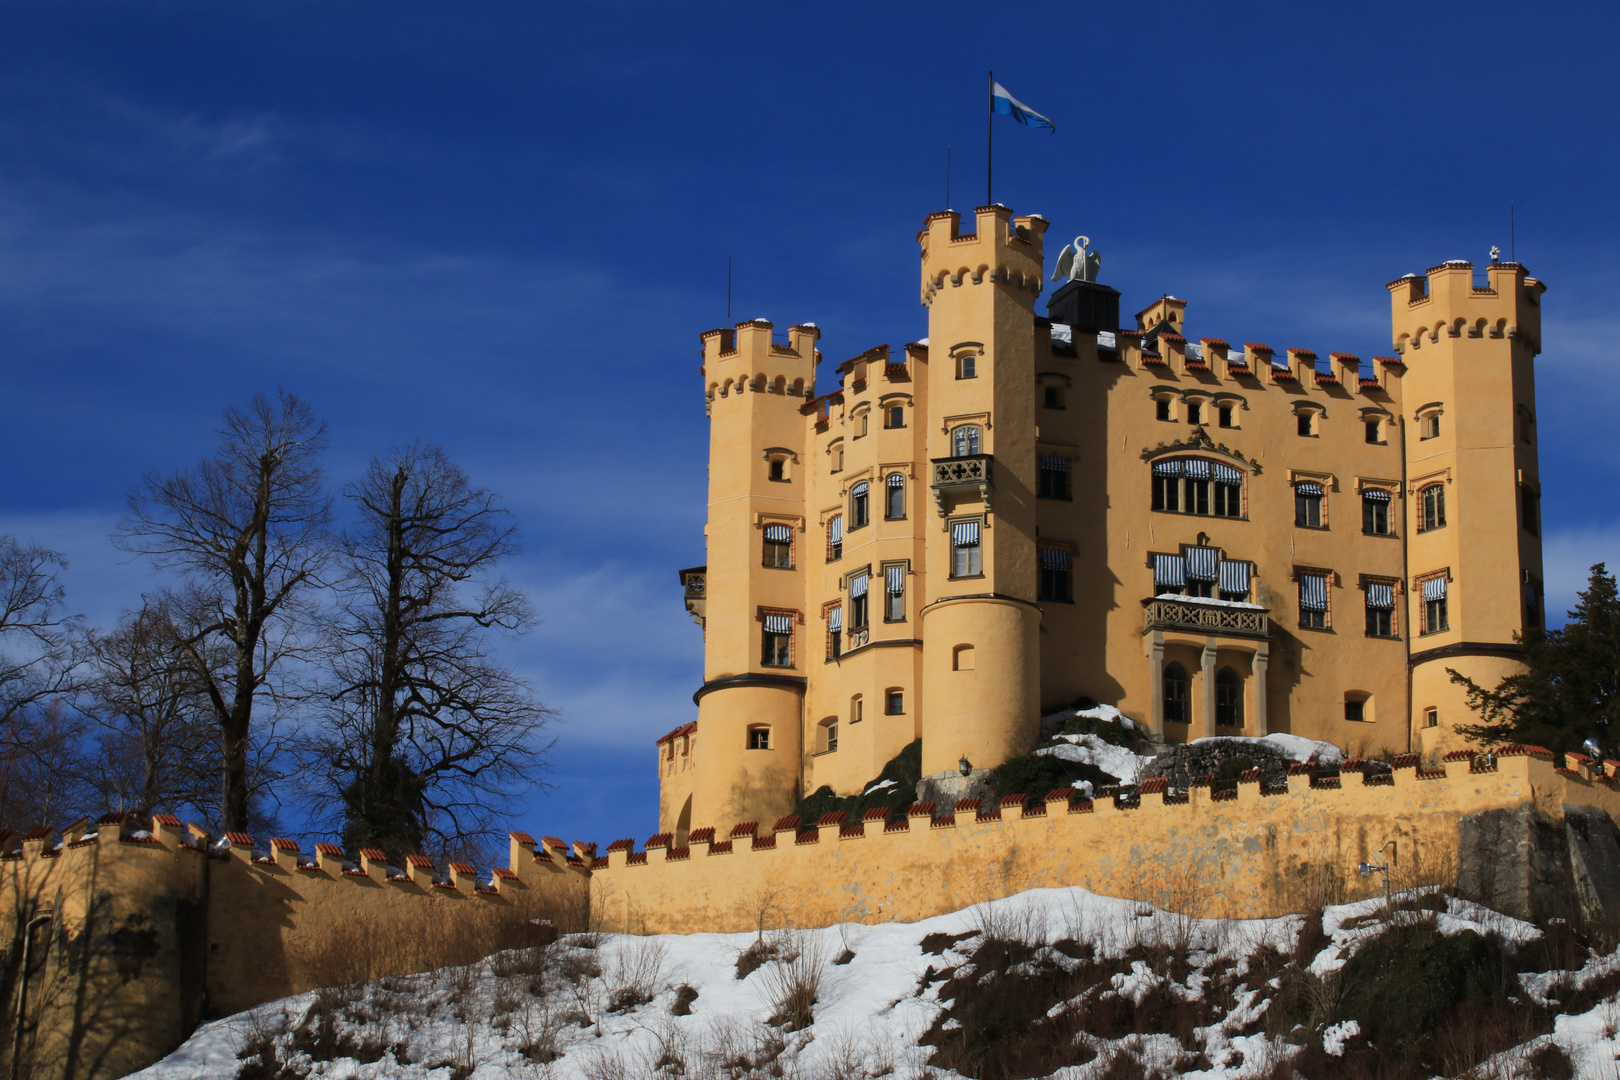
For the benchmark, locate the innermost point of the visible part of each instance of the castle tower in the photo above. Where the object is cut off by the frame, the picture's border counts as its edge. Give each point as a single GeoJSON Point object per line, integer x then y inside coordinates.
{"type": "Point", "coordinates": [756, 642]}
{"type": "Point", "coordinates": [1472, 483]}
{"type": "Point", "coordinates": [981, 627]}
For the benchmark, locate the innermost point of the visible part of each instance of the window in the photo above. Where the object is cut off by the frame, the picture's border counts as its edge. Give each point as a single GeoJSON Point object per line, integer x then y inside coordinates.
{"type": "Point", "coordinates": [1431, 717]}
{"type": "Point", "coordinates": [759, 737]}
{"type": "Point", "coordinates": [778, 468]}
{"type": "Point", "coordinates": [838, 458]}
{"type": "Point", "coordinates": [894, 591]}
{"type": "Point", "coordinates": [835, 538]}
{"type": "Point", "coordinates": [1167, 486]}
{"type": "Point", "coordinates": [965, 558]}
{"type": "Point", "coordinates": [860, 424]}
{"type": "Point", "coordinates": [962, 658]}
{"type": "Point", "coordinates": [1197, 486]}
{"type": "Point", "coordinates": [1355, 710]}
{"type": "Point", "coordinates": [1161, 409]}
{"type": "Point", "coordinates": [778, 641]}
{"type": "Point", "coordinates": [1306, 423]}
{"type": "Point", "coordinates": [1375, 431]}
{"type": "Point", "coordinates": [1195, 412]}
{"type": "Point", "coordinates": [895, 703]}
{"type": "Point", "coordinates": [1530, 503]}
{"type": "Point", "coordinates": [1228, 698]}
{"type": "Point", "coordinates": [1313, 601]}
{"type": "Point", "coordinates": [1052, 479]}
{"type": "Point", "coordinates": [857, 601]}
{"type": "Point", "coordinates": [1527, 428]}
{"type": "Point", "coordinates": [779, 546]}
{"type": "Point", "coordinates": [1233, 580]}
{"type": "Point", "coordinates": [1308, 505]}
{"type": "Point", "coordinates": [857, 709]}
{"type": "Point", "coordinates": [1380, 609]}
{"type": "Point", "coordinates": [894, 416]}
{"type": "Point", "coordinates": [1375, 512]}
{"type": "Point", "coordinates": [967, 366]}
{"type": "Point", "coordinates": [1056, 580]}
{"type": "Point", "coordinates": [1175, 694]}
{"type": "Point", "coordinates": [1532, 601]}
{"type": "Point", "coordinates": [1432, 507]}
{"type": "Point", "coordinates": [1052, 397]}
{"type": "Point", "coordinates": [965, 441]}
{"type": "Point", "coordinates": [894, 506]}
{"type": "Point", "coordinates": [859, 513]}
{"type": "Point", "coordinates": [1429, 426]}
{"type": "Point", "coordinates": [1223, 415]}
{"type": "Point", "coordinates": [835, 633]}
{"type": "Point", "coordinates": [1435, 616]}
{"type": "Point", "coordinates": [827, 736]}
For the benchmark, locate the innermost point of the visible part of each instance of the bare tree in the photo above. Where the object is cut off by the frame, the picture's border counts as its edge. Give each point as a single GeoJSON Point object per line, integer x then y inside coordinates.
{"type": "Point", "coordinates": [427, 731]}
{"type": "Point", "coordinates": [40, 646]}
{"type": "Point", "coordinates": [156, 738]}
{"type": "Point", "coordinates": [41, 758]}
{"type": "Point", "coordinates": [247, 527]}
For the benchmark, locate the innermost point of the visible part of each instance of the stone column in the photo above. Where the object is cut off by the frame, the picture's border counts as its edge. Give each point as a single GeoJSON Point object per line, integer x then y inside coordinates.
{"type": "Point", "coordinates": [1208, 696]}
{"type": "Point", "coordinates": [1258, 681]}
{"type": "Point", "coordinates": [1155, 655]}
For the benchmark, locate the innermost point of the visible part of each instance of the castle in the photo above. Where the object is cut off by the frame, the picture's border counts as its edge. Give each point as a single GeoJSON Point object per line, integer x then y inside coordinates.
{"type": "Point", "coordinates": [1017, 512]}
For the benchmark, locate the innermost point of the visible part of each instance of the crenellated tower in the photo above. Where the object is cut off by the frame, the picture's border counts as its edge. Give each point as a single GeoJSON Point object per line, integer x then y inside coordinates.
{"type": "Point", "coordinates": [1472, 481]}
{"type": "Point", "coordinates": [756, 644]}
{"type": "Point", "coordinates": [981, 626]}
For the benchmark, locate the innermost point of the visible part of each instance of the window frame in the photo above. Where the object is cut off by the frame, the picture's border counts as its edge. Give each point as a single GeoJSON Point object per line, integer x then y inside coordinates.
{"type": "Point", "coordinates": [784, 640]}
{"type": "Point", "coordinates": [1207, 497]}
{"type": "Point", "coordinates": [893, 602]}
{"type": "Point", "coordinates": [890, 488]}
{"type": "Point", "coordinates": [1307, 506]}
{"type": "Point", "coordinates": [784, 548]}
{"type": "Point", "coordinates": [1435, 494]}
{"type": "Point", "coordinates": [1052, 397]}
{"type": "Point", "coordinates": [894, 701]}
{"type": "Point", "coordinates": [1175, 674]}
{"type": "Point", "coordinates": [860, 508]}
{"type": "Point", "coordinates": [967, 365]}
{"type": "Point", "coordinates": [1164, 410]}
{"type": "Point", "coordinates": [1233, 688]}
{"type": "Point", "coordinates": [758, 737]}
{"type": "Point", "coordinates": [972, 434]}
{"type": "Point", "coordinates": [892, 414]}
{"type": "Point", "coordinates": [835, 551]}
{"type": "Point", "coordinates": [1063, 580]}
{"type": "Point", "coordinates": [1045, 486]}
{"type": "Point", "coordinates": [1370, 505]}
{"type": "Point", "coordinates": [1312, 618]}
{"type": "Point", "coordinates": [974, 551]}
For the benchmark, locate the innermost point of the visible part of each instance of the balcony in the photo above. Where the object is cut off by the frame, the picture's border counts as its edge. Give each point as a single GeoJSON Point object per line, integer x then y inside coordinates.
{"type": "Point", "coordinates": [970, 475]}
{"type": "Point", "coordinates": [1201, 616]}
{"type": "Point", "coordinates": [695, 580]}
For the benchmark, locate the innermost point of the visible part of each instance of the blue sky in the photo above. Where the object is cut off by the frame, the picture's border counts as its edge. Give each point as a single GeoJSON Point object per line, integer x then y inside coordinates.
{"type": "Point", "coordinates": [501, 227]}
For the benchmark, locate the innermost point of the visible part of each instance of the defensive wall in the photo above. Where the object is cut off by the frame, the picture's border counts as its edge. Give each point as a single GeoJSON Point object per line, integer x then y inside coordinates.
{"type": "Point", "coordinates": [120, 938]}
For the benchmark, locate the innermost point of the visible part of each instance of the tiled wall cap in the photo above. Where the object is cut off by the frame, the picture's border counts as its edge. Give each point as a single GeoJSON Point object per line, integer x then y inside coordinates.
{"type": "Point", "coordinates": [704, 835]}
{"type": "Point", "coordinates": [922, 809]}
{"type": "Point", "coordinates": [828, 820]}
{"type": "Point", "coordinates": [744, 828]}
{"type": "Point", "coordinates": [622, 845]}
{"type": "Point", "coordinates": [786, 824]}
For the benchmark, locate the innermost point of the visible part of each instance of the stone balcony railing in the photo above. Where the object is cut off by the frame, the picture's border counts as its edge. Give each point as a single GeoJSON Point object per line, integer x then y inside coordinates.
{"type": "Point", "coordinates": [1205, 617]}
{"type": "Point", "coordinates": [972, 474]}
{"type": "Point", "coordinates": [695, 582]}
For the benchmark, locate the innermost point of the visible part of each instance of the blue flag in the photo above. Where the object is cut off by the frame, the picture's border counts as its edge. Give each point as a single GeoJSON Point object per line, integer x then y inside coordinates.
{"type": "Point", "coordinates": [1003, 102]}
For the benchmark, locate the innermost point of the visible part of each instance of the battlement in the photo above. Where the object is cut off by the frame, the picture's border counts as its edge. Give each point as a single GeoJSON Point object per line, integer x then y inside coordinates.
{"type": "Point", "coordinates": [1214, 362]}
{"type": "Point", "coordinates": [748, 358]}
{"type": "Point", "coordinates": [1003, 249]}
{"type": "Point", "coordinates": [1445, 301]}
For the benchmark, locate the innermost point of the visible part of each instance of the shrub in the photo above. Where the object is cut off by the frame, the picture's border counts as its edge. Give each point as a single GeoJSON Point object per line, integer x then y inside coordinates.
{"type": "Point", "coordinates": [905, 769]}
{"type": "Point", "coordinates": [1036, 774]}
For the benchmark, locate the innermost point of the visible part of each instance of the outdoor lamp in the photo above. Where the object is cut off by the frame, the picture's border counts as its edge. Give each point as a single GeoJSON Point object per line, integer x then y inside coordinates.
{"type": "Point", "coordinates": [965, 765]}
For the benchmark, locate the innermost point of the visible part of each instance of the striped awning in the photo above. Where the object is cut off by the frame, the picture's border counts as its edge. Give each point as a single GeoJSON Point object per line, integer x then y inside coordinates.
{"type": "Point", "coordinates": [1169, 570]}
{"type": "Point", "coordinates": [835, 530]}
{"type": "Point", "coordinates": [1313, 592]}
{"type": "Point", "coordinates": [1167, 468]}
{"type": "Point", "coordinates": [835, 619]}
{"type": "Point", "coordinates": [857, 585]}
{"type": "Point", "coordinates": [859, 489]}
{"type": "Point", "coordinates": [1380, 595]}
{"type": "Point", "coordinates": [1195, 468]}
{"type": "Point", "coordinates": [1375, 495]}
{"type": "Point", "coordinates": [1201, 562]}
{"type": "Point", "coordinates": [778, 534]}
{"type": "Point", "coordinates": [1054, 463]}
{"type": "Point", "coordinates": [1225, 474]}
{"type": "Point", "coordinates": [897, 580]}
{"type": "Point", "coordinates": [1434, 589]}
{"type": "Point", "coordinates": [778, 624]}
{"type": "Point", "coordinates": [1054, 559]}
{"type": "Point", "coordinates": [1306, 487]}
{"type": "Point", "coordinates": [1234, 577]}
{"type": "Point", "coordinates": [896, 480]}
{"type": "Point", "coordinates": [965, 533]}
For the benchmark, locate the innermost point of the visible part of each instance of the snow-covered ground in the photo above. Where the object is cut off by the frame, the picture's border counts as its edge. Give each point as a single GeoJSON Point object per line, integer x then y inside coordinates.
{"type": "Point", "coordinates": [607, 1006]}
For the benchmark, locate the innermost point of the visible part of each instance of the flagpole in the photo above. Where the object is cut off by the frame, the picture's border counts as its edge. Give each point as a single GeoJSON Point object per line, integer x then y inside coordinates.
{"type": "Point", "coordinates": [989, 138]}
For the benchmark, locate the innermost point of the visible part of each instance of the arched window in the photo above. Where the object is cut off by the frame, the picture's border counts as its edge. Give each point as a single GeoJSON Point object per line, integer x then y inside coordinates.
{"type": "Point", "coordinates": [1432, 507]}
{"type": "Point", "coordinates": [895, 507]}
{"type": "Point", "coordinates": [965, 440]}
{"type": "Point", "coordinates": [1228, 698]}
{"type": "Point", "coordinates": [1197, 486]}
{"type": "Point", "coordinates": [1175, 694]}
{"type": "Point", "coordinates": [859, 513]}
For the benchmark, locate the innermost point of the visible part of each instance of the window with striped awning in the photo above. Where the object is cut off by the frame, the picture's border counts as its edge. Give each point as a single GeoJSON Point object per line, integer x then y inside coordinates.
{"type": "Point", "coordinates": [896, 580]}
{"type": "Point", "coordinates": [835, 619]}
{"type": "Point", "coordinates": [1225, 474]}
{"type": "Point", "coordinates": [1167, 468]}
{"type": "Point", "coordinates": [778, 534]}
{"type": "Point", "coordinates": [858, 585]}
{"type": "Point", "coordinates": [1054, 559]}
{"type": "Point", "coordinates": [1202, 563]}
{"type": "Point", "coordinates": [1380, 595]}
{"type": "Point", "coordinates": [1054, 462]}
{"type": "Point", "coordinates": [1434, 589]}
{"type": "Point", "coordinates": [1169, 570]}
{"type": "Point", "coordinates": [1307, 487]}
{"type": "Point", "coordinates": [779, 624]}
{"type": "Point", "coordinates": [1234, 577]}
{"type": "Point", "coordinates": [896, 480]}
{"type": "Point", "coordinates": [966, 560]}
{"type": "Point", "coordinates": [1313, 592]}
{"type": "Point", "coordinates": [835, 530]}
{"type": "Point", "coordinates": [1375, 495]}
{"type": "Point", "coordinates": [1195, 469]}
{"type": "Point", "coordinates": [964, 533]}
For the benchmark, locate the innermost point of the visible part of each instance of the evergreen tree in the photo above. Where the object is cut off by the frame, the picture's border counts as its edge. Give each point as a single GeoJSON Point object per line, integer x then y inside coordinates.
{"type": "Point", "coordinates": [1570, 691]}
